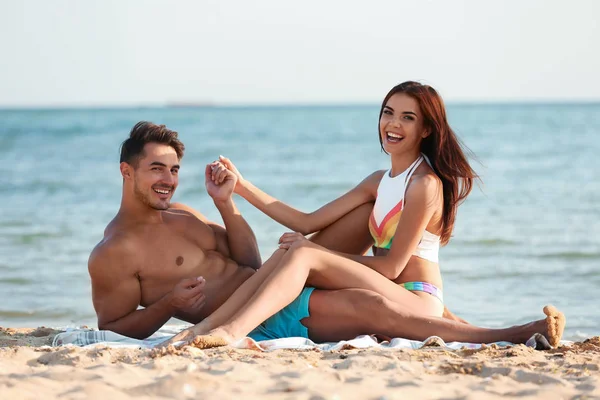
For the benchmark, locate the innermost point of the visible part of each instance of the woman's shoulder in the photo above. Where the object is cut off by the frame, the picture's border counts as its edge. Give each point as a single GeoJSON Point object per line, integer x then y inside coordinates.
{"type": "Point", "coordinates": [371, 182]}
{"type": "Point", "coordinates": [426, 173]}
{"type": "Point", "coordinates": [375, 177]}
{"type": "Point", "coordinates": [426, 182]}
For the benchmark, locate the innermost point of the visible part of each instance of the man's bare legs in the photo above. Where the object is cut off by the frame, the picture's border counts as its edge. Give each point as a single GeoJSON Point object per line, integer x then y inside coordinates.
{"type": "Point", "coordinates": [344, 314]}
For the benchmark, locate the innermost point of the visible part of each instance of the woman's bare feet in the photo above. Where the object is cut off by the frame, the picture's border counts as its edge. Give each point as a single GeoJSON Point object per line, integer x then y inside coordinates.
{"type": "Point", "coordinates": [187, 336]}
{"type": "Point", "coordinates": [215, 338]}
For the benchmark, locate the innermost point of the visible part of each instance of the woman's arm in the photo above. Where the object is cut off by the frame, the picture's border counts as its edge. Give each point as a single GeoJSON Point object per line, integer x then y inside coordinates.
{"type": "Point", "coordinates": [422, 198]}
{"type": "Point", "coordinates": [299, 221]}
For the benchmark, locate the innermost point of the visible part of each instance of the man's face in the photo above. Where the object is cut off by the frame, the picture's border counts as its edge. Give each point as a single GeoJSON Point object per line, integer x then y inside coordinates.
{"type": "Point", "coordinates": [156, 176]}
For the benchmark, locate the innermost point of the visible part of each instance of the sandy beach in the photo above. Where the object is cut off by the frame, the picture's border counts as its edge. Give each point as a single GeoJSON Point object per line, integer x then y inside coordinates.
{"type": "Point", "coordinates": [31, 369]}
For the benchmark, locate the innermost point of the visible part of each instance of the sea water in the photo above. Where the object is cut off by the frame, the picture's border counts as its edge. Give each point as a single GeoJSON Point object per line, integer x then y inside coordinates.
{"type": "Point", "coordinates": [529, 235]}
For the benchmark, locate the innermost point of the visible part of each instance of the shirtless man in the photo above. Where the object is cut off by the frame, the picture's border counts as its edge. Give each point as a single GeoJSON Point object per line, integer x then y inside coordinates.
{"type": "Point", "coordinates": [167, 260]}
{"type": "Point", "coordinates": [172, 261]}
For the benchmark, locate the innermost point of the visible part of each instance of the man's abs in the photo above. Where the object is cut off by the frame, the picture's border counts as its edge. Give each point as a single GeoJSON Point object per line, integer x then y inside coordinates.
{"type": "Point", "coordinates": [223, 276]}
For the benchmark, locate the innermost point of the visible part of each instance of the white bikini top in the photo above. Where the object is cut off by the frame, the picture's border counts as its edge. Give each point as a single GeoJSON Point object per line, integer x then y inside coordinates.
{"type": "Point", "coordinates": [388, 208]}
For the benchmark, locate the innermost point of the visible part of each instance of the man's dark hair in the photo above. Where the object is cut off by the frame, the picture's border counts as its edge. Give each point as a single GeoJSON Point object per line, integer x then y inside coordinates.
{"type": "Point", "coordinates": [132, 149]}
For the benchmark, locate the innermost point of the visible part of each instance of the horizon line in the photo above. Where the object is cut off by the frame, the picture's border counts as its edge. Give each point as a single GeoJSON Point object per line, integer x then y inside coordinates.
{"type": "Point", "coordinates": [208, 105]}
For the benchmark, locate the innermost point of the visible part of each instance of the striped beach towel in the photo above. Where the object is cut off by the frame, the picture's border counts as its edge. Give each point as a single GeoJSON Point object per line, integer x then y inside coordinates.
{"type": "Point", "coordinates": [87, 337]}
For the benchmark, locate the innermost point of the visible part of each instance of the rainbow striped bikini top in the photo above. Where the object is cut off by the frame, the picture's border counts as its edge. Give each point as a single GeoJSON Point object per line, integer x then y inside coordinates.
{"type": "Point", "coordinates": [388, 208]}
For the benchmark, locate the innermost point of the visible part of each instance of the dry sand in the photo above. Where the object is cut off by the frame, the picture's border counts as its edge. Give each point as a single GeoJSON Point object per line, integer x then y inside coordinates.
{"type": "Point", "coordinates": [29, 369]}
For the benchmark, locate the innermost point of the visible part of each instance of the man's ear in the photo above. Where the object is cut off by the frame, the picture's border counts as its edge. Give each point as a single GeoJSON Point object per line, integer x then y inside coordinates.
{"type": "Point", "coordinates": [126, 170]}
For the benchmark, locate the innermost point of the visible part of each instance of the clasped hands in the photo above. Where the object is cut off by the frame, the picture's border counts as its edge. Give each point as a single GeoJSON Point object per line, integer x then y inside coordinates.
{"type": "Point", "coordinates": [223, 179]}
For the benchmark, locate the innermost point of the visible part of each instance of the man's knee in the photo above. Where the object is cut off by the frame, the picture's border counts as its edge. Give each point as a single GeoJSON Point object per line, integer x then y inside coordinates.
{"type": "Point", "coordinates": [365, 302]}
{"type": "Point", "coordinates": [356, 304]}
{"type": "Point", "coordinates": [373, 301]}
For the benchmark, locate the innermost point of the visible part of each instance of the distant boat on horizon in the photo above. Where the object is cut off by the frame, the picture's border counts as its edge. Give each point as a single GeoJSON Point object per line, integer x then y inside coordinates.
{"type": "Point", "coordinates": [190, 104]}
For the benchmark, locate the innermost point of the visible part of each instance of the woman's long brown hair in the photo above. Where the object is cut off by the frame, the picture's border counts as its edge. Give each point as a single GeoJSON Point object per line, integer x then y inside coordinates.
{"type": "Point", "coordinates": [443, 148]}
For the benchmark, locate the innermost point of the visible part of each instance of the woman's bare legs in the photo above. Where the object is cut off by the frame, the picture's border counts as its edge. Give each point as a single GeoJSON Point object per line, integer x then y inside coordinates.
{"type": "Point", "coordinates": [344, 314]}
{"type": "Point", "coordinates": [240, 297]}
{"type": "Point", "coordinates": [349, 234]}
{"type": "Point", "coordinates": [318, 267]}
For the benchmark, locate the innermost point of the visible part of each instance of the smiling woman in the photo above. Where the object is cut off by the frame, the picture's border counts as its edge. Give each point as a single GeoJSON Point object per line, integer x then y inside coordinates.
{"type": "Point", "coordinates": [413, 116]}
{"type": "Point", "coordinates": [414, 208]}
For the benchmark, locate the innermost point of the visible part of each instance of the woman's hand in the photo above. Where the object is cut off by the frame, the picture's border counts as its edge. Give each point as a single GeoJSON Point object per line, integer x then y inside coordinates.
{"type": "Point", "coordinates": [292, 238]}
{"type": "Point", "coordinates": [231, 167]}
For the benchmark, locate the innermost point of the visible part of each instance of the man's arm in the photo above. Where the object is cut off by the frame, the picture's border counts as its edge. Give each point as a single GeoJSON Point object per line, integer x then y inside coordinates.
{"type": "Point", "coordinates": [241, 241]}
{"type": "Point", "coordinates": [247, 255]}
{"type": "Point", "coordinates": [116, 294]}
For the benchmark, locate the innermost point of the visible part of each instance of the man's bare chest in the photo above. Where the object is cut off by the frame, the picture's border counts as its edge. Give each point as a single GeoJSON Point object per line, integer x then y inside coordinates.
{"type": "Point", "coordinates": [169, 256]}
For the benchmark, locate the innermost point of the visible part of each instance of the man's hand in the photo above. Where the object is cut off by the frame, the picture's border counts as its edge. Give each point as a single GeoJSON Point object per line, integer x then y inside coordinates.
{"type": "Point", "coordinates": [219, 181]}
{"type": "Point", "coordinates": [230, 166]}
{"type": "Point", "coordinates": [188, 295]}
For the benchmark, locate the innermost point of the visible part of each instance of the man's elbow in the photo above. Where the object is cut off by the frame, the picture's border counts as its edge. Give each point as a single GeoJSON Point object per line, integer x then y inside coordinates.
{"type": "Point", "coordinates": [108, 326]}
{"type": "Point", "coordinates": [256, 263]}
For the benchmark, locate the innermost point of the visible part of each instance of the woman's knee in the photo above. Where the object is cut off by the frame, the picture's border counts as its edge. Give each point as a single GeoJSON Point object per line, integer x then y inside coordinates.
{"type": "Point", "coordinates": [297, 256]}
{"type": "Point", "coordinates": [299, 251]}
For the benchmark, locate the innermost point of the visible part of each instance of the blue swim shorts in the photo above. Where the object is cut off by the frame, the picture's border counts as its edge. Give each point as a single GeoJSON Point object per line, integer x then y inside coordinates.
{"type": "Point", "coordinates": [286, 323]}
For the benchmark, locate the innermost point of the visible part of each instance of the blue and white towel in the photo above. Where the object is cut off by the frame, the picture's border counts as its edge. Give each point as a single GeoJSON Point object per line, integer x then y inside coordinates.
{"type": "Point", "coordinates": [87, 337]}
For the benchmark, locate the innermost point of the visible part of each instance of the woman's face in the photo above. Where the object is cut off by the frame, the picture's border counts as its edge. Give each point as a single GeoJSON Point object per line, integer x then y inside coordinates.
{"type": "Point", "coordinates": [401, 124]}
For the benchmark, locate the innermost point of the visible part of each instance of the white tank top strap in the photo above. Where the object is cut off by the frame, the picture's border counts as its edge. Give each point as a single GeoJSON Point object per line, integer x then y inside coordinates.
{"type": "Point", "coordinates": [427, 160]}
{"type": "Point", "coordinates": [411, 169]}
